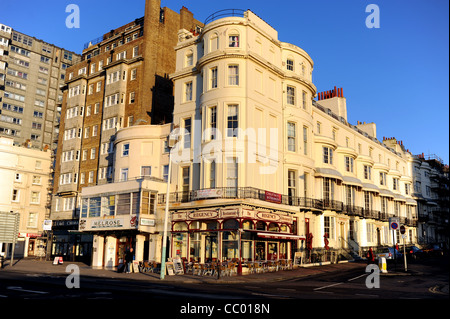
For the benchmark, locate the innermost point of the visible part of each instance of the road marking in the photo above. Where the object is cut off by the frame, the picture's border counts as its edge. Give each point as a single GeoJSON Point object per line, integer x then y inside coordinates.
{"type": "Point", "coordinates": [332, 285]}
{"type": "Point", "coordinates": [25, 290]}
{"type": "Point", "coordinates": [357, 277]}
{"type": "Point", "coordinates": [3, 296]}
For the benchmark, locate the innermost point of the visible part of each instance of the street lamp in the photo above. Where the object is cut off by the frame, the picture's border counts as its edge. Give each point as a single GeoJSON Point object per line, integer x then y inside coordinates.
{"type": "Point", "coordinates": [173, 136]}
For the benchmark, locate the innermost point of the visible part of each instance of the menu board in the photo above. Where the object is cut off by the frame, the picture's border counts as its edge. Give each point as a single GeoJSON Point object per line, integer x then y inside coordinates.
{"type": "Point", "coordinates": [178, 266]}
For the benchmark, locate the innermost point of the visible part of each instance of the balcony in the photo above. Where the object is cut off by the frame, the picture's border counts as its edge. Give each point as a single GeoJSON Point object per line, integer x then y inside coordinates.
{"type": "Point", "coordinates": [224, 13]}
{"type": "Point", "coordinates": [246, 193]}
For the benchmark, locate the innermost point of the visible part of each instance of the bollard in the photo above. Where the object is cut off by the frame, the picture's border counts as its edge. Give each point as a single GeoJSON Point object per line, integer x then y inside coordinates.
{"type": "Point", "coordinates": [382, 264]}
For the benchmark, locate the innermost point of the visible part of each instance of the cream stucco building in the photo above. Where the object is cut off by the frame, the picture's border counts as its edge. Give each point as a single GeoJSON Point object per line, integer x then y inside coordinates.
{"type": "Point", "coordinates": [24, 182]}
{"type": "Point", "coordinates": [276, 151]}
{"type": "Point", "coordinates": [124, 213]}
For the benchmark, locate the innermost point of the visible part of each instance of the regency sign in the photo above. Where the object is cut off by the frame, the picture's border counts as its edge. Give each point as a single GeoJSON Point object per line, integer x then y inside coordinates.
{"type": "Point", "coordinates": [233, 213]}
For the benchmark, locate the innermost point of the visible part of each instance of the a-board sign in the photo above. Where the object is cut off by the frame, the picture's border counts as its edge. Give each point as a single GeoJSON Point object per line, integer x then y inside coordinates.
{"type": "Point", "coordinates": [297, 258]}
{"type": "Point", "coordinates": [57, 260]}
{"type": "Point", "coordinates": [135, 266]}
{"type": "Point", "coordinates": [178, 266]}
{"type": "Point", "coordinates": [170, 269]}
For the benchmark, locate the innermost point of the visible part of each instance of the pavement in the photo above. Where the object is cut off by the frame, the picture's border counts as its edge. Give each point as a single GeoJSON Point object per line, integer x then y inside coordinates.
{"type": "Point", "coordinates": [32, 266]}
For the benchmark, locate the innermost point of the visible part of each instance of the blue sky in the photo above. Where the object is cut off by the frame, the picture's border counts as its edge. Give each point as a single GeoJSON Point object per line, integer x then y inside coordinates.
{"type": "Point", "coordinates": [396, 76]}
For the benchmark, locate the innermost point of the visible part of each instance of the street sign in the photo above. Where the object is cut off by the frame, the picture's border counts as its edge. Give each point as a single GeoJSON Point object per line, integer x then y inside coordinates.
{"type": "Point", "coordinates": [402, 229]}
{"type": "Point", "coordinates": [9, 227]}
{"type": "Point", "coordinates": [394, 223]}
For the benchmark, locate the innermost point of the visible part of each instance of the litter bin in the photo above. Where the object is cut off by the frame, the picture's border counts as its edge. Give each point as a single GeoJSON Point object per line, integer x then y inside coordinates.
{"type": "Point", "coordinates": [382, 264]}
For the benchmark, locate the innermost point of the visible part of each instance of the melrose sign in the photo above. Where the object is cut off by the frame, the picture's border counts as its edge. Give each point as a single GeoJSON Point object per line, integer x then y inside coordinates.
{"type": "Point", "coordinates": [113, 223]}
{"type": "Point", "coordinates": [107, 223]}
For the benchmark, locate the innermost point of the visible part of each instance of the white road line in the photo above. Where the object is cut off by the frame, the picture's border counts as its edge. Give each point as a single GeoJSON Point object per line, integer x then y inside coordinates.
{"type": "Point", "coordinates": [25, 290]}
{"type": "Point", "coordinates": [357, 277]}
{"type": "Point", "coordinates": [339, 283]}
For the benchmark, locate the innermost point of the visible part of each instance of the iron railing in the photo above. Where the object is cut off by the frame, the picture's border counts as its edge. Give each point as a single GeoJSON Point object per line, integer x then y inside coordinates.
{"type": "Point", "coordinates": [224, 13]}
{"type": "Point", "coordinates": [317, 205]}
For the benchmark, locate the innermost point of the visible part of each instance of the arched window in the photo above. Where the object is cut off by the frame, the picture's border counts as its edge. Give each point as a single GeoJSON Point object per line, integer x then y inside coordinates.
{"type": "Point", "coordinates": [189, 58]}
{"type": "Point", "coordinates": [273, 227]}
{"type": "Point", "coordinates": [213, 42]}
{"type": "Point", "coordinates": [180, 226]}
{"type": "Point", "coordinates": [230, 224]}
{"type": "Point", "coordinates": [211, 224]}
{"type": "Point", "coordinates": [248, 224]}
{"type": "Point", "coordinates": [260, 225]}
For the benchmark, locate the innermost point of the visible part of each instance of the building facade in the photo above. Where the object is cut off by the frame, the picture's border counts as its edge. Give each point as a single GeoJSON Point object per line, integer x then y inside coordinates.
{"type": "Point", "coordinates": [264, 170]}
{"type": "Point", "coordinates": [121, 81]}
{"type": "Point", "coordinates": [31, 75]}
{"type": "Point", "coordinates": [124, 213]}
{"type": "Point", "coordinates": [25, 180]}
{"type": "Point", "coordinates": [431, 191]}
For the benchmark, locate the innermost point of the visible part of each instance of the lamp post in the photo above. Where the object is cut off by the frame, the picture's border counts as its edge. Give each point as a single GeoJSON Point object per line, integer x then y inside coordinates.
{"type": "Point", "coordinates": [172, 141]}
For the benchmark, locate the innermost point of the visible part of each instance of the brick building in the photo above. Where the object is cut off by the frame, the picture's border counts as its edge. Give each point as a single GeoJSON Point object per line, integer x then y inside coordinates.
{"type": "Point", "coordinates": [121, 81]}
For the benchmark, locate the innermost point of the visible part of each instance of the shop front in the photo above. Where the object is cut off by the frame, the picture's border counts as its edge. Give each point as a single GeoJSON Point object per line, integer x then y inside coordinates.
{"type": "Point", "coordinates": [237, 234]}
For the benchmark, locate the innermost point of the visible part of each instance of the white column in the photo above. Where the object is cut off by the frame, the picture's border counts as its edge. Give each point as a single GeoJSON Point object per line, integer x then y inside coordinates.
{"type": "Point", "coordinates": [110, 252]}
{"type": "Point", "coordinates": [139, 252]}
{"type": "Point", "coordinates": [97, 251]}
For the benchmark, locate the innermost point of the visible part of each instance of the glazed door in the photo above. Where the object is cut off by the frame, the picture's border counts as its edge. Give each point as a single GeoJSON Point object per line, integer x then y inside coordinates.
{"type": "Point", "coordinates": [210, 248]}
{"type": "Point", "coordinates": [260, 250]}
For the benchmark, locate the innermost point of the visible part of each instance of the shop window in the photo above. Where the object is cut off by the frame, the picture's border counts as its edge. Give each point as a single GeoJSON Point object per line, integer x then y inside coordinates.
{"type": "Point", "coordinates": [194, 246]}
{"type": "Point", "coordinates": [284, 228]}
{"type": "Point", "coordinates": [230, 242]}
{"type": "Point", "coordinates": [180, 244]}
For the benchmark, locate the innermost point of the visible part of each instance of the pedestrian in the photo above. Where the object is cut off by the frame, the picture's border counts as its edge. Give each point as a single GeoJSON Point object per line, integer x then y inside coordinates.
{"type": "Point", "coordinates": [129, 260]}
{"type": "Point", "coordinates": [370, 256]}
